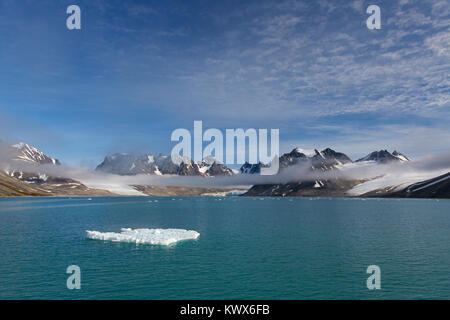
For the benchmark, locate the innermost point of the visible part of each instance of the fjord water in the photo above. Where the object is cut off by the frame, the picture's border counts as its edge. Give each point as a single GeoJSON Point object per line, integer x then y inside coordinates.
{"type": "Point", "coordinates": [249, 248]}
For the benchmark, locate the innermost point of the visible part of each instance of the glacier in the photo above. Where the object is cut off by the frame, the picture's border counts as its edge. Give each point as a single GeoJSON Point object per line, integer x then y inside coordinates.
{"type": "Point", "coordinates": [145, 236]}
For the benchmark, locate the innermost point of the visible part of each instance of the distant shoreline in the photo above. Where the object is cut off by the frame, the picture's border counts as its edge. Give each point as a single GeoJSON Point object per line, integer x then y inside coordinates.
{"type": "Point", "coordinates": [212, 196]}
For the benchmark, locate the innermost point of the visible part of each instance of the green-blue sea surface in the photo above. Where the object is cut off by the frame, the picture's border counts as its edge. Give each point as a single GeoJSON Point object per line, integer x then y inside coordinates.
{"type": "Point", "coordinates": [249, 248]}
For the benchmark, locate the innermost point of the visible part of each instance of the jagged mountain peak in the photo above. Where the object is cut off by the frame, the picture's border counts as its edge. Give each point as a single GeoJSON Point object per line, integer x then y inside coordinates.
{"type": "Point", "coordinates": [384, 156]}
{"type": "Point", "coordinates": [306, 152]}
{"type": "Point", "coordinates": [248, 168]}
{"type": "Point", "coordinates": [127, 164]}
{"type": "Point", "coordinates": [325, 159]}
{"type": "Point", "coordinates": [119, 163]}
{"type": "Point", "coordinates": [329, 153]}
{"type": "Point", "coordinates": [219, 169]}
{"type": "Point", "coordinates": [31, 154]}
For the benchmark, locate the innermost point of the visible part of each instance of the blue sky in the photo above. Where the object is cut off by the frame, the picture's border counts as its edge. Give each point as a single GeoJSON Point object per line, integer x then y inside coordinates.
{"type": "Point", "coordinates": [137, 70]}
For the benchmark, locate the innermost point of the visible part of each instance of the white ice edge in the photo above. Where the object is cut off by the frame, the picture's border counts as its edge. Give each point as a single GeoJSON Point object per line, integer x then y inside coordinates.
{"type": "Point", "coordinates": [145, 236]}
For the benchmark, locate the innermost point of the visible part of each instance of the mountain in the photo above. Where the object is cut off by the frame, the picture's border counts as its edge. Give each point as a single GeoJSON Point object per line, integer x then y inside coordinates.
{"type": "Point", "coordinates": [52, 186]}
{"type": "Point", "coordinates": [29, 182]}
{"type": "Point", "coordinates": [23, 155]}
{"type": "Point", "coordinates": [325, 160]}
{"type": "Point", "coordinates": [400, 156]}
{"type": "Point", "coordinates": [293, 158]}
{"type": "Point", "coordinates": [119, 163]}
{"type": "Point", "coordinates": [248, 168]}
{"type": "Point", "coordinates": [189, 168]}
{"type": "Point", "coordinates": [384, 156]}
{"type": "Point", "coordinates": [24, 172]}
{"type": "Point", "coordinates": [438, 187]}
{"type": "Point", "coordinates": [314, 188]}
{"type": "Point", "coordinates": [386, 185]}
{"type": "Point", "coordinates": [218, 169]}
{"type": "Point", "coordinates": [338, 157]}
{"type": "Point", "coordinates": [126, 164]}
{"type": "Point", "coordinates": [30, 154]}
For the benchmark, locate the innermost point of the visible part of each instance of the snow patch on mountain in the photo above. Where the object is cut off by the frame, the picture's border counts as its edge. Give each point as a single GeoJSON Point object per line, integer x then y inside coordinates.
{"type": "Point", "coordinates": [126, 164]}
{"type": "Point", "coordinates": [384, 156]}
{"type": "Point", "coordinates": [394, 181]}
{"type": "Point", "coordinates": [306, 152]}
{"type": "Point", "coordinates": [30, 154]}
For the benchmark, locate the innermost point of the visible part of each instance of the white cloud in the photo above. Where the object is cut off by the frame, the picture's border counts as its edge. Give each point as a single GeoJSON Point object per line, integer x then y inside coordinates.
{"type": "Point", "coordinates": [291, 69]}
{"type": "Point", "coordinates": [440, 43]}
{"type": "Point", "coordinates": [357, 5]}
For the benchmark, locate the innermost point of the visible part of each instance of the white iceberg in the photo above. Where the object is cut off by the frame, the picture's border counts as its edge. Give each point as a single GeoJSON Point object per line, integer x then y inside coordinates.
{"type": "Point", "coordinates": [145, 236]}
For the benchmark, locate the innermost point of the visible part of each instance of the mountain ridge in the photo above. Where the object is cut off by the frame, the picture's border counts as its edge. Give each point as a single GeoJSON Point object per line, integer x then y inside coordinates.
{"type": "Point", "coordinates": [127, 164]}
{"type": "Point", "coordinates": [17, 182]}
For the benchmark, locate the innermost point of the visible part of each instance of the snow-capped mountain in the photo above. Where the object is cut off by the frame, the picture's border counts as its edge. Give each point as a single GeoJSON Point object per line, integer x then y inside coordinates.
{"type": "Point", "coordinates": [190, 168]}
{"type": "Point", "coordinates": [15, 180]}
{"type": "Point", "coordinates": [25, 154]}
{"type": "Point", "coordinates": [400, 156]}
{"type": "Point", "coordinates": [384, 156]}
{"type": "Point", "coordinates": [32, 155]}
{"type": "Point", "coordinates": [408, 184]}
{"type": "Point", "coordinates": [338, 157]}
{"type": "Point", "coordinates": [438, 187]}
{"type": "Point", "coordinates": [248, 168]}
{"type": "Point", "coordinates": [20, 155]}
{"type": "Point", "coordinates": [323, 160]}
{"type": "Point", "coordinates": [126, 164]}
{"type": "Point", "coordinates": [218, 169]}
{"type": "Point", "coordinates": [20, 174]}
{"type": "Point", "coordinates": [119, 163]}
{"type": "Point", "coordinates": [316, 160]}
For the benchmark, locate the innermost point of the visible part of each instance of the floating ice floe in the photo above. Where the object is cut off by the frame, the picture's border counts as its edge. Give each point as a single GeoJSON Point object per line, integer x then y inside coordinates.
{"type": "Point", "coordinates": [145, 236]}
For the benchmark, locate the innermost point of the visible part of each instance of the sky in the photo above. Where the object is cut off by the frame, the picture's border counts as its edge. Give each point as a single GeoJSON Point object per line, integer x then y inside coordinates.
{"type": "Point", "coordinates": [137, 70]}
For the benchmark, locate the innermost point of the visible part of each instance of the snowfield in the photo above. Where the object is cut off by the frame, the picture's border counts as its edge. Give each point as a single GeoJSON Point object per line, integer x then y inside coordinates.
{"type": "Point", "coordinates": [394, 177]}
{"type": "Point", "coordinates": [145, 236]}
{"type": "Point", "coordinates": [116, 187]}
{"type": "Point", "coordinates": [395, 182]}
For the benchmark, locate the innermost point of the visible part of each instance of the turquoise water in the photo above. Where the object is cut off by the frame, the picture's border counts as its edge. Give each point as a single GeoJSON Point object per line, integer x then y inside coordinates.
{"type": "Point", "coordinates": [249, 248]}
